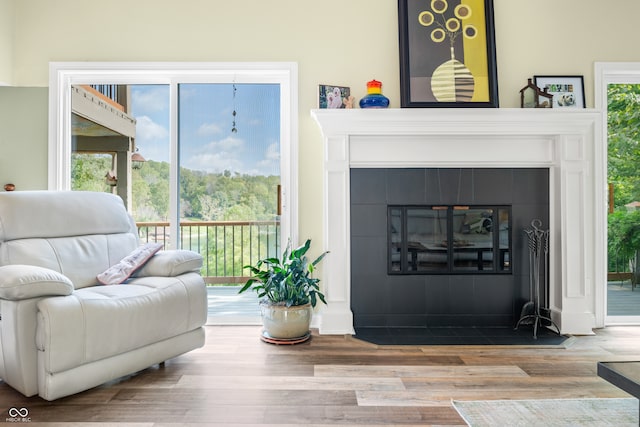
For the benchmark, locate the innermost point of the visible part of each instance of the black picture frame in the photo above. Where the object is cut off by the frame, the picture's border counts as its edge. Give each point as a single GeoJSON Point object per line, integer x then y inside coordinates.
{"type": "Point", "coordinates": [425, 48]}
{"type": "Point", "coordinates": [567, 91]}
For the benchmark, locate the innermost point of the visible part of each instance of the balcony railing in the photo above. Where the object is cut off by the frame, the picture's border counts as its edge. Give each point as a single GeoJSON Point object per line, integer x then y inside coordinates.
{"type": "Point", "coordinates": [109, 91]}
{"type": "Point", "coordinates": [226, 246]}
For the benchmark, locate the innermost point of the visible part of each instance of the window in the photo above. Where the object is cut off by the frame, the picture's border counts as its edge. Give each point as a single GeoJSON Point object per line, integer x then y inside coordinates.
{"type": "Point", "coordinates": [64, 75]}
{"type": "Point", "coordinates": [449, 239]}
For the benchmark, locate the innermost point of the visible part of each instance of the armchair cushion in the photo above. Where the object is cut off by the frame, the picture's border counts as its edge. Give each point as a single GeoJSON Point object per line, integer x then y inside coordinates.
{"type": "Point", "coordinates": [171, 263]}
{"type": "Point", "coordinates": [19, 281]}
{"type": "Point", "coordinates": [121, 271]}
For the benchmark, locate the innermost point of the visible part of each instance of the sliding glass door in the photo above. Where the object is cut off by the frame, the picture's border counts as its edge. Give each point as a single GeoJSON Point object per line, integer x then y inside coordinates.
{"type": "Point", "coordinates": [617, 92]}
{"type": "Point", "coordinates": [229, 175]}
{"type": "Point", "coordinates": [204, 154]}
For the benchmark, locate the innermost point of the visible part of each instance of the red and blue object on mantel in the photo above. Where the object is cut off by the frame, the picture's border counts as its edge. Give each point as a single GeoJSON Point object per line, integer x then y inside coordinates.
{"type": "Point", "coordinates": [374, 97]}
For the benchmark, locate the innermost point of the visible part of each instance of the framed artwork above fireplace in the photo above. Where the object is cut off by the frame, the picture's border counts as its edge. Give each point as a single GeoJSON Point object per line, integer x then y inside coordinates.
{"type": "Point", "coordinates": [447, 53]}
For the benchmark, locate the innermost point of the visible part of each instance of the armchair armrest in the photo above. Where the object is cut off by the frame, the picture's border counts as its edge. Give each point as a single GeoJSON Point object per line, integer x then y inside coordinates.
{"type": "Point", "coordinates": [171, 263]}
{"type": "Point", "coordinates": [18, 282]}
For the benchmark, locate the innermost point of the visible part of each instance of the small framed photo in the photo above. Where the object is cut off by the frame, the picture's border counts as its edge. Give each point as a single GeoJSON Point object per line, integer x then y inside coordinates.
{"type": "Point", "coordinates": [333, 96]}
{"type": "Point", "coordinates": [567, 91]}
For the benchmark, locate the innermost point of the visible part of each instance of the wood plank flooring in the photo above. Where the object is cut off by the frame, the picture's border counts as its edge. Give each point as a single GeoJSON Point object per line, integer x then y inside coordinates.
{"type": "Point", "coordinates": [237, 380]}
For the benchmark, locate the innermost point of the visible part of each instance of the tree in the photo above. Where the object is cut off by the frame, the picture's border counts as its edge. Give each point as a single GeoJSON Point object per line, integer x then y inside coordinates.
{"type": "Point", "coordinates": [203, 196]}
{"type": "Point", "coordinates": [88, 172]}
{"type": "Point", "coordinates": [624, 240]}
{"type": "Point", "coordinates": [151, 192]}
{"type": "Point", "coordinates": [623, 121]}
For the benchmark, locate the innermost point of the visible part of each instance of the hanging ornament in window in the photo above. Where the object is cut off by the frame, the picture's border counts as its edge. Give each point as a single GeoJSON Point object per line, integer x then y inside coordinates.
{"type": "Point", "coordinates": [233, 123]}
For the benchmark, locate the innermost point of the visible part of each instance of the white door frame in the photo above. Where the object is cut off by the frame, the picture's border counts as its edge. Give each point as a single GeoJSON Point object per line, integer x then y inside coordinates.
{"type": "Point", "coordinates": [611, 73]}
{"type": "Point", "coordinates": [64, 74]}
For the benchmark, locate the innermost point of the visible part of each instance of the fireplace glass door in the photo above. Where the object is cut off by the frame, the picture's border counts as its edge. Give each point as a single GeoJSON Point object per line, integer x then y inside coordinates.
{"type": "Point", "coordinates": [449, 239]}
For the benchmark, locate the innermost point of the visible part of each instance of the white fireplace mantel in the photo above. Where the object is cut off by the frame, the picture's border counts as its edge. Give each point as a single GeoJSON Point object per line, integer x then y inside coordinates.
{"type": "Point", "coordinates": [569, 142]}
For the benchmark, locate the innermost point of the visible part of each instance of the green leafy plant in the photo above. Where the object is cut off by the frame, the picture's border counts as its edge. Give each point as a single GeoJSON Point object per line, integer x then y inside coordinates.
{"type": "Point", "coordinates": [624, 237]}
{"type": "Point", "coordinates": [287, 281]}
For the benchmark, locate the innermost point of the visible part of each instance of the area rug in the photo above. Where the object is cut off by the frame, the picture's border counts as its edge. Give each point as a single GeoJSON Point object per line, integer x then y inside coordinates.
{"type": "Point", "coordinates": [549, 413]}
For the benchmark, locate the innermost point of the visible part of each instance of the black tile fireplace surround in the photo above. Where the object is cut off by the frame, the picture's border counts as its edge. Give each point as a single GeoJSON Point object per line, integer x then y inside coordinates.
{"type": "Point", "coordinates": [478, 300]}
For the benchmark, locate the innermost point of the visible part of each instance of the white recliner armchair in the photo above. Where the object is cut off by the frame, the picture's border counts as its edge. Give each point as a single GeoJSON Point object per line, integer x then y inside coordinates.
{"type": "Point", "coordinates": [61, 330]}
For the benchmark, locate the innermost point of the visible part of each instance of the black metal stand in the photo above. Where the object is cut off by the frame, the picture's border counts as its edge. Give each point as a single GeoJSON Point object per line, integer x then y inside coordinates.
{"type": "Point", "coordinates": [537, 319]}
{"type": "Point", "coordinates": [538, 243]}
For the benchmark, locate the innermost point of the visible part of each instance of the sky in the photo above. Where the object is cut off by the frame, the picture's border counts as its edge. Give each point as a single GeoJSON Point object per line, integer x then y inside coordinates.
{"type": "Point", "coordinates": [205, 115]}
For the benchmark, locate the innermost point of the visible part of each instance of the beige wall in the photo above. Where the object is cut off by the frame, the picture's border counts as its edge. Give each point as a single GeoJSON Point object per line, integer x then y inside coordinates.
{"type": "Point", "coordinates": [333, 41]}
{"type": "Point", "coordinates": [23, 137]}
{"type": "Point", "coordinates": [6, 41]}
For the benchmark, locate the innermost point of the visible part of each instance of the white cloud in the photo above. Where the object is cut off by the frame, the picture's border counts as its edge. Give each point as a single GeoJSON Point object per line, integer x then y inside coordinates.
{"type": "Point", "coordinates": [273, 152]}
{"type": "Point", "coordinates": [151, 99]}
{"type": "Point", "coordinates": [214, 162]}
{"type": "Point", "coordinates": [148, 131]}
{"type": "Point", "coordinates": [218, 156]}
{"type": "Point", "coordinates": [227, 144]}
{"type": "Point", "coordinates": [231, 154]}
{"type": "Point", "coordinates": [152, 139]}
{"type": "Point", "coordinates": [155, 152]}
{"type": "Point", "coordinates": [209, 129]}
{"type": "Point", "coordinates": [270, 164]}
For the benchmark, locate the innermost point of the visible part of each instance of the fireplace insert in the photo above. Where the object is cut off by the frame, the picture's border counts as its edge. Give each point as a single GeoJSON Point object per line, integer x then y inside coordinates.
{"type": "Point", "coordinates": [449, 239]}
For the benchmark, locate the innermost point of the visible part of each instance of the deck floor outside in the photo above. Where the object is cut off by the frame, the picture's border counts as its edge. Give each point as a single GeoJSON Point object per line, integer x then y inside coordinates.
{"type": "Point", "coordinates": [227, 307]}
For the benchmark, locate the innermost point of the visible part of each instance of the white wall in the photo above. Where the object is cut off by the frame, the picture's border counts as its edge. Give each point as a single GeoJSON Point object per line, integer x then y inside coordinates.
{"type": "Point", "coordinates": [532, 37]}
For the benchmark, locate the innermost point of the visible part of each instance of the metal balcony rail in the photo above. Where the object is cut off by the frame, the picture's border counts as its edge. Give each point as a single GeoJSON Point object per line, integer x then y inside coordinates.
{"type": "Point", "coordinates": [110, 91]}
{"type": "Point", "coordinates": [226, 246]}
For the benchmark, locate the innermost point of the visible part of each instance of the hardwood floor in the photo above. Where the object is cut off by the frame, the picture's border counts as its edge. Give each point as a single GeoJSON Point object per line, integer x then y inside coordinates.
{"type": "Point", "coordinates": [333, 380]}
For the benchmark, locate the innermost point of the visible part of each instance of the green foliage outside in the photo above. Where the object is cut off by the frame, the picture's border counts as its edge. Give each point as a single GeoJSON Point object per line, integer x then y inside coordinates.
{"type": "Point", "coordinates": [624, 239]}
{"type": "Point", "coordinates": [204, 196]}
{"type": "Point", "coordinates": [88, 172]}
{"type": "Point", "coordinates": [623, 157]}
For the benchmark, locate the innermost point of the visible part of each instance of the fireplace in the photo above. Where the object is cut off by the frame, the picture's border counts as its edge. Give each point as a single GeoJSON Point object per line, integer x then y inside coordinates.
{"type": "Point", "coordinates": [434, 247]}
{"type": "Point", "coordinates": [566, 144]}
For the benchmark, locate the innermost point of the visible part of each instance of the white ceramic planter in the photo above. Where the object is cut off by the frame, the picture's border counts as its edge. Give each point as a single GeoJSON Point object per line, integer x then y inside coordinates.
{"type": "Point", "coordinates": [286, 322]}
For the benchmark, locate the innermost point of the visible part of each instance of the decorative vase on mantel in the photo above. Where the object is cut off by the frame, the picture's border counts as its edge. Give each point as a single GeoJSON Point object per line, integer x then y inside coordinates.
{"type": "Point", "coordinates": [374, 97]}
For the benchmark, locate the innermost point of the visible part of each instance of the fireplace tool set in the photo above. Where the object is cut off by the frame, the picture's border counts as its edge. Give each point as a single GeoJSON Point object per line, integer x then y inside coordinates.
{"type": "Point", "coordinates": [532, 312]}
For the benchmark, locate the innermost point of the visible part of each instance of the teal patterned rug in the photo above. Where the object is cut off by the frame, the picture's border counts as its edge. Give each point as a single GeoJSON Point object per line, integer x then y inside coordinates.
{"type": "Point", "coordinates": [549, 413]}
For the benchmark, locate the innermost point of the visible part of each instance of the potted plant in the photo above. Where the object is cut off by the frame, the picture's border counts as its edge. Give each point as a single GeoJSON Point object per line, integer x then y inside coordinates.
{"type": "Point", "coordinates": [287, 291]}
